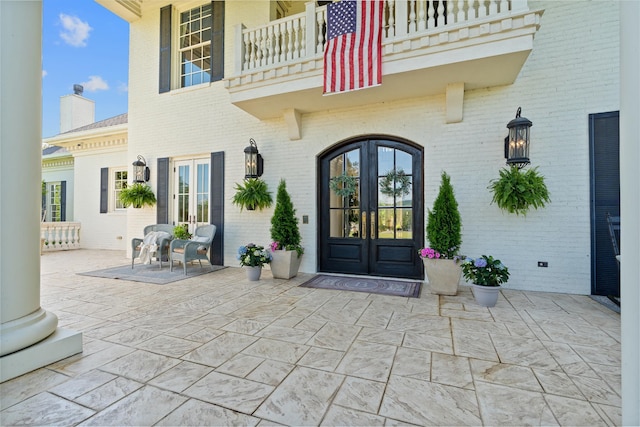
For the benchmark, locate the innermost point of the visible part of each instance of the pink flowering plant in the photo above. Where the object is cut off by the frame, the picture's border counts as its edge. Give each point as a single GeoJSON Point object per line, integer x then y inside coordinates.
{"type": "Point", "coordinates": [485, 271]}
{"type": "Point", "coordinates": [428, 253]}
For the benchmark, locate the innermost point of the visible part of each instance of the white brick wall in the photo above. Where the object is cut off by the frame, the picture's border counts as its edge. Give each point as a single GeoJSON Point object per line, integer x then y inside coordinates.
{"type": "Point", "coordinates": [99, 231]}
{"type": "Point", "coordinates": [571, 73]}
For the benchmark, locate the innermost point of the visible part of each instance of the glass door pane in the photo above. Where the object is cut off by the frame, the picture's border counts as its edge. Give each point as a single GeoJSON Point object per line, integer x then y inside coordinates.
{"type": "Point", "coordinates": [182, 193]}
{"type": "Point", "coordinates": [202, 192]}
{"type": "Point", "coordinates": [344, 195]}
{"type": "Point", "coordinates": [395, 195]}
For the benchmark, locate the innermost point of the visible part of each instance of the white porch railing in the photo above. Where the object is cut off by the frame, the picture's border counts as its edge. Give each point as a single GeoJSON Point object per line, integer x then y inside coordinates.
{"type": "Point", "coordinates": [60, 236]}
{"type": "Point", "coordinates": [301, 36]}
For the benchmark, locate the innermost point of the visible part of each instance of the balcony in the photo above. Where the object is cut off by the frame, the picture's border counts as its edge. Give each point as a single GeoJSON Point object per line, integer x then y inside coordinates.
{"type": "Point", "coordinates": [428, 47]}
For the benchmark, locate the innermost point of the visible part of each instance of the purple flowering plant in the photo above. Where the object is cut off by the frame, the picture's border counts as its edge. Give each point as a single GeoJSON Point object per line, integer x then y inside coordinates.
{"type": "Point", "coordinates": [485, 271]}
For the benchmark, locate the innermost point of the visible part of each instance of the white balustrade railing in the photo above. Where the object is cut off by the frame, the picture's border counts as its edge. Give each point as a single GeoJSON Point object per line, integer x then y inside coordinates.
{"type": "Point", "coordinates": [60, 236]}
{"type": "Point", "coordinates": [302, 36]}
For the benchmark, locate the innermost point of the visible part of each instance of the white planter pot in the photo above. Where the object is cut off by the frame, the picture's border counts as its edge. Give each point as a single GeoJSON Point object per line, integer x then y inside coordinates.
{"type": "Point", "coordinates": [443, 275]}
{"type": "Point", "coordinates": [486, 296]}
{"type": "Point", "coordinates": [284, 264]}
{"type": "Point", "coordinates": [253, 273]}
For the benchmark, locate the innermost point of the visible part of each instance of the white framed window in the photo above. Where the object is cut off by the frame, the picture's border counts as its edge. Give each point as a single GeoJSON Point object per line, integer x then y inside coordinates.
{"type": "Point", "coordinates": [54, 201]}
{"type": "Point", "coordinates": [194, 45]}
{"type": "Point", "coordinates": [118, 184]}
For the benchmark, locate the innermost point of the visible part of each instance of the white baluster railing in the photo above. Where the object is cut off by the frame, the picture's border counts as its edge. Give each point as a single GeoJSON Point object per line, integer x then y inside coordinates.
{"type": "Point", "coordinates": [302, 36]}
{"type": "Point", "coordinates": [60, 236]}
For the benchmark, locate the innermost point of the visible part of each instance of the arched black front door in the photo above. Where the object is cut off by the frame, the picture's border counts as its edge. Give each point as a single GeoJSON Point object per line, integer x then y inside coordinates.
{"type": "Point", "coordinates": [378, 227]}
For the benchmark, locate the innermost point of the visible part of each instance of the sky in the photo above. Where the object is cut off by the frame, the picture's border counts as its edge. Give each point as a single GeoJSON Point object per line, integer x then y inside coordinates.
{"type": "Point", "coordinates": [83, 43]}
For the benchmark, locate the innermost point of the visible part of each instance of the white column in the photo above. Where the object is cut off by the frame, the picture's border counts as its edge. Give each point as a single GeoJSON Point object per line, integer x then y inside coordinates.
{"type": "Point", "coordinates": [29, 337]}
{"type": "Point", "coordinates": [630, 209]}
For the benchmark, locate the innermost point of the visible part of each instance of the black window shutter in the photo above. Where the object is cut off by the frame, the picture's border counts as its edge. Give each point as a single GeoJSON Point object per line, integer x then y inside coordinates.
{"type": "Point", "coordinates": [165, 49]}
{"type": "Point", "coordinates": [104, 190]}
{"type": "Point", "coordinates": [63, 201]}
{"type": "Point", "coordinates": [217, 207]}
{"type": "Point", "coordinates": [217, 42]}
{"type": "Point", "coordinates": [162, 196]}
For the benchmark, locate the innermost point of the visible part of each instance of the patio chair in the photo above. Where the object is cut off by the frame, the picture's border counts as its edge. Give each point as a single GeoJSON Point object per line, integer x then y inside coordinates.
{"type": "Point", "coordinates": [163, 243]}
{"type": "Point", "coordinates": [194, 249]}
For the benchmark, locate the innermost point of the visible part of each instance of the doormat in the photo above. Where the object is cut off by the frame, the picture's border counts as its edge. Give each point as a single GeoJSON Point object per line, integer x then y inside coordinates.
{"type": "Point", "coordinates": [365, 284]}
{"type": "Point", "coordinates": [152, 273]}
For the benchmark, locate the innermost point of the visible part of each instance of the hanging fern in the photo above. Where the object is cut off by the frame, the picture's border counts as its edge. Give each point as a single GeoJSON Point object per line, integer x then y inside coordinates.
{"type": "Point", "coordinates": [517, 191]}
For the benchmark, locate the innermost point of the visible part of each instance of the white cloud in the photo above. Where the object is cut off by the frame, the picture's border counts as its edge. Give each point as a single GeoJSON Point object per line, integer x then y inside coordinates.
{"type": "Point", "coordinates": [75, 32]}
{"type": "Point", "coordinates": [95, 83]}
{"type": "Point", "coordinates": [123, 87]}
{"type": "Point", "coordinates": [44, 73]}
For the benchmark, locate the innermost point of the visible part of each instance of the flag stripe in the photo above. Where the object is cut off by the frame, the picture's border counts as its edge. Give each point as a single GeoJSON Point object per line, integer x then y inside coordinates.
{"type": "Point", "coordinates": [352, 57]}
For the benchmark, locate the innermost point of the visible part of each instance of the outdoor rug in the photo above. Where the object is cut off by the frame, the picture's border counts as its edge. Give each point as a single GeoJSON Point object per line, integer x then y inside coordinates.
{"type": "Point", "coordinates": [365, 284]}
{"type": "Point", "coordinates": [151, 273]}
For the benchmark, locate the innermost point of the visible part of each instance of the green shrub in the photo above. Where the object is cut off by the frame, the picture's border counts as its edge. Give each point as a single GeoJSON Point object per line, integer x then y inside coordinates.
{"type": "Point", "coordinates": [284, 224]}
{"type": "Point", "coordinates": [443, 221]}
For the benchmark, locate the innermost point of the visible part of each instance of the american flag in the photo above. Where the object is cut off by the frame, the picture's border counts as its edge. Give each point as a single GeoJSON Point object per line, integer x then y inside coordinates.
{"type": "Point", "coordinates": [353, 53]}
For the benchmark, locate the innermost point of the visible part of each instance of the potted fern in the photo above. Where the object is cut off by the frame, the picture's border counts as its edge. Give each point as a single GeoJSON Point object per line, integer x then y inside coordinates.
{"type": "Point", "coordinates": [285, 249]}
{"type": "Point", "coordinates": [138, 195]}
{"type": "Point", "coordinates": [441, 259]}
{"type": "Point", "coordinates": [252, 194]}
{"type": "Point", "coordinates": [517, 191]}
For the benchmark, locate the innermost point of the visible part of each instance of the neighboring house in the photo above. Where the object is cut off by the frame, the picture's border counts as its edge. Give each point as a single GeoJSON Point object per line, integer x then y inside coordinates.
{"type": "Point", "coordinates": [98, 168]}
{"type": "Point", "coordinates": [205, 77]}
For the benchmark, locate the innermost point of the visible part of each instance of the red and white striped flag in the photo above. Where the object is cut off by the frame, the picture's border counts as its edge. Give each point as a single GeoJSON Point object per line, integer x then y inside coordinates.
{"type": "Point", "coordinates": [353, 53]}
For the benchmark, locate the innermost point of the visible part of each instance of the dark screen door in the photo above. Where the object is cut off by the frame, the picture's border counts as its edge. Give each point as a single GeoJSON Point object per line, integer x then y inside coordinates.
{"type": "Point", "coordinates": [604, 144]}
{"type": "Point", "coordinates": [371, 209]}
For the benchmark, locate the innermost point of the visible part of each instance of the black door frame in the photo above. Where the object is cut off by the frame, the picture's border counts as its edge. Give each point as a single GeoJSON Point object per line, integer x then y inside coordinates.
{"type": "Point", "coordinates": [416, 270]}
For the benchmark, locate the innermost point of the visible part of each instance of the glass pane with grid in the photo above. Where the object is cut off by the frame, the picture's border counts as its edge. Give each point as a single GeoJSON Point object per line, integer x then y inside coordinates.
{"type": "Point", "coordinates": [119, 183]}
{"type": "Point", "coordinates": [55, 201]}
{"type": "Point", "coordinates": [195, 46]}
{"type": "Point", "coordinates": [395, 195]}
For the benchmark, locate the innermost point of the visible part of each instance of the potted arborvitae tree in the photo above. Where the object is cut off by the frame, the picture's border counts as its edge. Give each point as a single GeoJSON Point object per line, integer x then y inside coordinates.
{"type": "Point", "coordinates": [441, 259]}
{"type": "Point", "coordinates": [285, 249]}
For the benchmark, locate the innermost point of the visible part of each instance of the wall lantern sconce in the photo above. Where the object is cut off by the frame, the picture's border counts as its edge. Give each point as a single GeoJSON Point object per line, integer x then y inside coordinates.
{"type": "Point", "coordinates": [253, 162]}
{"type": "Point", "coordinates": [140, 170]}
{"type": "Point", "coordinates": [516, 145]}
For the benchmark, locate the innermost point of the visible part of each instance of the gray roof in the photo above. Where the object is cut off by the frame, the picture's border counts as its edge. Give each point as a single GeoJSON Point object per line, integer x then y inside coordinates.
{"type": "Point", "coordinates": [112, 121]}
{"type": "Point", "coordinates": [50, 150]}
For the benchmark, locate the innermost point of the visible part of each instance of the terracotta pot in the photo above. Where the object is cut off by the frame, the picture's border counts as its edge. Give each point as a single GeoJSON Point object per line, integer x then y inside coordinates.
{"type": "Point", "coordinates": [486, 296]}
{"type": "Point", "coordinates": [443, 275]}
{"type": "Point", "coordinates": [253, 273]}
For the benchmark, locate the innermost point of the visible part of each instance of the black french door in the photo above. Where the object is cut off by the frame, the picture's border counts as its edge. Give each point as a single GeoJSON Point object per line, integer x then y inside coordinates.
{"type": "Point", "coordinates": [371, 212]}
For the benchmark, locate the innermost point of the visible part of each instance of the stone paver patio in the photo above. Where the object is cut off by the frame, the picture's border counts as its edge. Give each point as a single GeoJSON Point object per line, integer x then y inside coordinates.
{"type": "Point", "coordinates": [220, 350]}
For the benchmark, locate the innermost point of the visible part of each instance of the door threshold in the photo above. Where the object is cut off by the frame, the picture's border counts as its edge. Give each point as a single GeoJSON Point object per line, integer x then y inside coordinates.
{"type": "Point", "coordinates": [364, 276]}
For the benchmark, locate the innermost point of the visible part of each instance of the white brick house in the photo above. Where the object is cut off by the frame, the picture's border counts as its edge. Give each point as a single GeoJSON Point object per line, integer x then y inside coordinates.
{"type": "Point", "coordinates": [449, 89]}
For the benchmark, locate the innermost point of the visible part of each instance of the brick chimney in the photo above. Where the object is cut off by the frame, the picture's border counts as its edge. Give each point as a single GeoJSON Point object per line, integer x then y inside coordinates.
{"type": "Point", "coordinates": [75, 110]}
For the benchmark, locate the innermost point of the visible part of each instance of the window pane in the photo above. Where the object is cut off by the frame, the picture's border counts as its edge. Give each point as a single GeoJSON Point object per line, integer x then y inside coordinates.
{"type": "Point", "coordinates": [344, 223]}
{"type": "Point", "coordinates": [385, 160]}
{"type": "Point", "coordinates": [404, 223]}
{"type": "Point", "coordinates": [403, 161]}
{"type": "Point", "coordinates": [404, 195]}
{"type": "Point", "coordinates": [386, 223]}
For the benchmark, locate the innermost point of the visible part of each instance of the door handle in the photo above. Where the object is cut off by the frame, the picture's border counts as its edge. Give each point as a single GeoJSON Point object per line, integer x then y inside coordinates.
{"type": "Point", "coordinates": [364, 225]}
{"type": "Point", "coordinates": [373, 225]}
